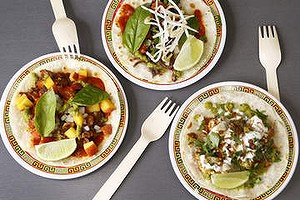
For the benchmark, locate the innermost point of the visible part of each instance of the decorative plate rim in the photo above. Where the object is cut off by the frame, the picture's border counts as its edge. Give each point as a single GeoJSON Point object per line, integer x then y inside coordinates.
{"type": "Point", "coordinates": [173, 86]}
{"type": "Point", "coordinates": [205, 89]}
{"type": "Point", "coordinates": [123, 123]}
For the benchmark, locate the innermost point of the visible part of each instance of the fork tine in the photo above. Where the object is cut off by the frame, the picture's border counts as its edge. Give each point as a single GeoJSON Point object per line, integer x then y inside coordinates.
{"type": "Point", "coordinates": [169, 111]}
{"type": "Point", "coordinates": [270, 30]}
{"type": "Point", "coordinates": [68, 52]}
{"type": "Point", "coordinates": [72, 50]}
{"type": "Point", "coordinates": [77, 50]}
{"type": "Point", "coordinates": [275, 32]}
{"type": "Point", "coordinates": [160, 106]}
{"type": "Point", "coordinates": [259, 32]}
{"type": "Point", "coordinates": [265, 32]}
{"type": "Point", "coordinates": [173, 111]}
{"type": "Point", "coordinates": [165, 108]}
{"type": "Point", "coordinates": [61, 49]}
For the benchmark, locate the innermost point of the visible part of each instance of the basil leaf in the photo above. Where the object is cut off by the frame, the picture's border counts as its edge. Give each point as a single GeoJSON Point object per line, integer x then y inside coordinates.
{"type": "Point", "coordinates": [44, 118]}
{"type": "Point", "coordinates": [194, 24]}
{"type": "Point", "coordinates": [89, 95]}
{"type": "Point", "coordinates": [136, 30]}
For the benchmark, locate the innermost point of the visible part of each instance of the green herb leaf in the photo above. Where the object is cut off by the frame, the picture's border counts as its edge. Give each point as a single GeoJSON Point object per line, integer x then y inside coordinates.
{"type": "Point", "coordinates": [261, 115]}
{"type": "Point", "coordinates": [44, 118]}
{"type": "Point", "coordinates": [89, 95]}
{"type": "Point", "coordinates": [194, 24]}
{"type": "Point", "coordinates": [214, 139]}
{"type": "Point", "coordinates": [136, 30]}
{"type": "Point", "coordinates": [202, 125]}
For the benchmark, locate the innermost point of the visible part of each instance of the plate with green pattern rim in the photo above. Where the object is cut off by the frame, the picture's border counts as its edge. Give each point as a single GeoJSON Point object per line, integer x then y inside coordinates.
{"type": "Point", "coordinates": [70, 170]}
{"type": "Point", "coordinates": [124, 62]}
{"type": "Point", "coordinates": [186, 173]}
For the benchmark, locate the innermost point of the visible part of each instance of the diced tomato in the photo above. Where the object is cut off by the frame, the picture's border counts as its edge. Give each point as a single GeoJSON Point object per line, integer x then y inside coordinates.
{"type": "Point", "coordinates": [75, 76]}
{"type": "Point", "coordinates": [67, 92]}
{"type": "Point", "coordinates": [79, 152]}
{"type": "Point", "coordinates": [90, 148]}
{"type": "Point", "coordinates": [31, 124]}
{"type": "Point", "coordinates": [106, 129]}
{"type": "Point", "coordinates": [126, 11]}
{"type": "Point", "coordinates": [82, 78]}
{"type": "Point", "coordinates": [99, 139]}
{"type": "Point", "coordinates": [55, 88]}
{"type": "Point", "coordinates": [201, 30]}
{"type": "Point", "coordinates": [36, 137]}
{"type": "Point", "coordinates": [143, 48]}
{"type": "Point", "coordinates": [76, 86]}
{"type": "Point", "coordinates": [40, 84]}
{"type": "Point", "coordinates": [97, 82]}
{"type": "Point", "coordinates": [48, 139]}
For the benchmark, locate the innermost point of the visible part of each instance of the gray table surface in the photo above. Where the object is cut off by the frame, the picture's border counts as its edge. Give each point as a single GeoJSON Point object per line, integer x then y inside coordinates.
{"type": "Point", "coordinates": [25, 33]}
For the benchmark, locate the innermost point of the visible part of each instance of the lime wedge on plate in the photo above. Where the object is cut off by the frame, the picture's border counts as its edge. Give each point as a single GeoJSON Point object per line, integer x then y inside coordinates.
{"type": "Point", "coordinates": [57, 150]}
{"type": "Point", "coordinates": [230, 180]}
{"type": "Point", "coordinates": [189, 55]}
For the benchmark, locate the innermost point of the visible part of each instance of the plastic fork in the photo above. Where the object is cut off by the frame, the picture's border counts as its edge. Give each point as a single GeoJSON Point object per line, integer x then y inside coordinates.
{"type": "Point", "coordinates": [64, 31]}
{"type": "Point", "coordinates": [152, 129]}
{"type": "Point", "coordinates": [270, 56]}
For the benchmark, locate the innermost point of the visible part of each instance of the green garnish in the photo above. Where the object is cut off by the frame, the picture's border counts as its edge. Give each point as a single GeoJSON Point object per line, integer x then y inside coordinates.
{"type": "Point", "coordinates": [89, 95]}
{"type": "Point", "coordinates": [136, 30]}
{"type": "Point", "coordinates": [44, 118]}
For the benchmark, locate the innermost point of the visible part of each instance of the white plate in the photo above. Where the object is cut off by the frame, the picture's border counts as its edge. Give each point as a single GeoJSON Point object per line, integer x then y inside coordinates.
{"type": "Point", "coordinates": [187, 176]}
{"type": "Point", "coordinates": [120, 58]}
{"type": "Point", "coordinates": [30, 162]}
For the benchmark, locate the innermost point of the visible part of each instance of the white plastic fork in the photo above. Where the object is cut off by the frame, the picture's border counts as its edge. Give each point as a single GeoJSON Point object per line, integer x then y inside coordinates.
{"type": "Point", "coordinates": [270, 56]}
{"type": "Point", "coordinates": [152, 129]}
{"type": "Point", "coordinates": [64, 31]}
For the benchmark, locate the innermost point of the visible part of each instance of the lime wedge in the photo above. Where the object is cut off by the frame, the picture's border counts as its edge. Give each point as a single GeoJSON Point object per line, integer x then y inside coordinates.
{"type": "Point", "coordinates": [57, 150]}
{"type": "Point", "coordinates": [189, 55]}
{"type": "Point", "coordinates": [230, 180]}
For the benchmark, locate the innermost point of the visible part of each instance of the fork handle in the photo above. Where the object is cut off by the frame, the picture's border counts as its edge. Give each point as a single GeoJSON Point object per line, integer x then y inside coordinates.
{"type": "Point", "coordinates": [58, 9]}
{"type": "Point", "coordinates": [115, 180]}
{"type": "Point", "coordinates": [272, 82]}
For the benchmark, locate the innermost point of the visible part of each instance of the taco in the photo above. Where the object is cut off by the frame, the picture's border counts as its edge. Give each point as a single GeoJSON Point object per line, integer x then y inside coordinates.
{"type": "Point", "coordinates": [148, 37]}
{"type": "Point", "coordinates": [235, 144]}
{"type": "Point", "coordinates": [64, 100]}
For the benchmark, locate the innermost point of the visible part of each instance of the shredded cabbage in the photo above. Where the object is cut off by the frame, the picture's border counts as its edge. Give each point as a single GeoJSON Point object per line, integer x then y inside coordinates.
{"type": "Point", "coordinates": [171, 26]}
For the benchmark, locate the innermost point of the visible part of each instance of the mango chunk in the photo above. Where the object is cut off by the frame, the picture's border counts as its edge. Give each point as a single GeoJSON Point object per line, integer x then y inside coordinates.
{"type": "Point", "coordinates": [71, 77]}
{"type": "Point", "coordinates": [48, 82]}
{"type": "Point", "coordinates": [93, 108]}
{"type": "Point", "coordinates": [71, 133]}
{"type": "Point", "coordinates": [83, 72]}
{"type": "Point", "coordinates": [78, 119]}
{"type": "Point", "coordinates": [107, 106]}
{"type": "Point", "coordinates": [90, 148]}
{"type": "Point", "coordinates": [23, 102]}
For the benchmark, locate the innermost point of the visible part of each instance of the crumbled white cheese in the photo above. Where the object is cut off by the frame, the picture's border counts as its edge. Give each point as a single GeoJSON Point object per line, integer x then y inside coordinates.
{"type": "Point", "coordinates": [229, 141]}
{"type": "Point", "coordinates": [249, 156]}
{"type": "Point", "coordinates": [219, 127]}
{"type": "Point", "coordinates": [228, 133]}
{"type": "Point", "coordinates": [251, 135]}
{"type": "Point", "coordinates": [239, 147]}
{"type": "Point", "coordinates": [257, 124]}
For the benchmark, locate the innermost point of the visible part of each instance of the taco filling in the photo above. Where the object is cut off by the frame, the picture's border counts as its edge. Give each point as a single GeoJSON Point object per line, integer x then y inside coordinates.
{"type": "Point", "coordinates": [63, 105]}
{"type": "Point", "coordinates": [233, 139]}
{"type": "Point", "coordinates": [162, 36]}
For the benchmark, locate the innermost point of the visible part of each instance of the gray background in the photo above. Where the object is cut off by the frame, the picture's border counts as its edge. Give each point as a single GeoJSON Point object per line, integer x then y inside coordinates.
{"type": "Point", "coordinates": [25, 33]}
